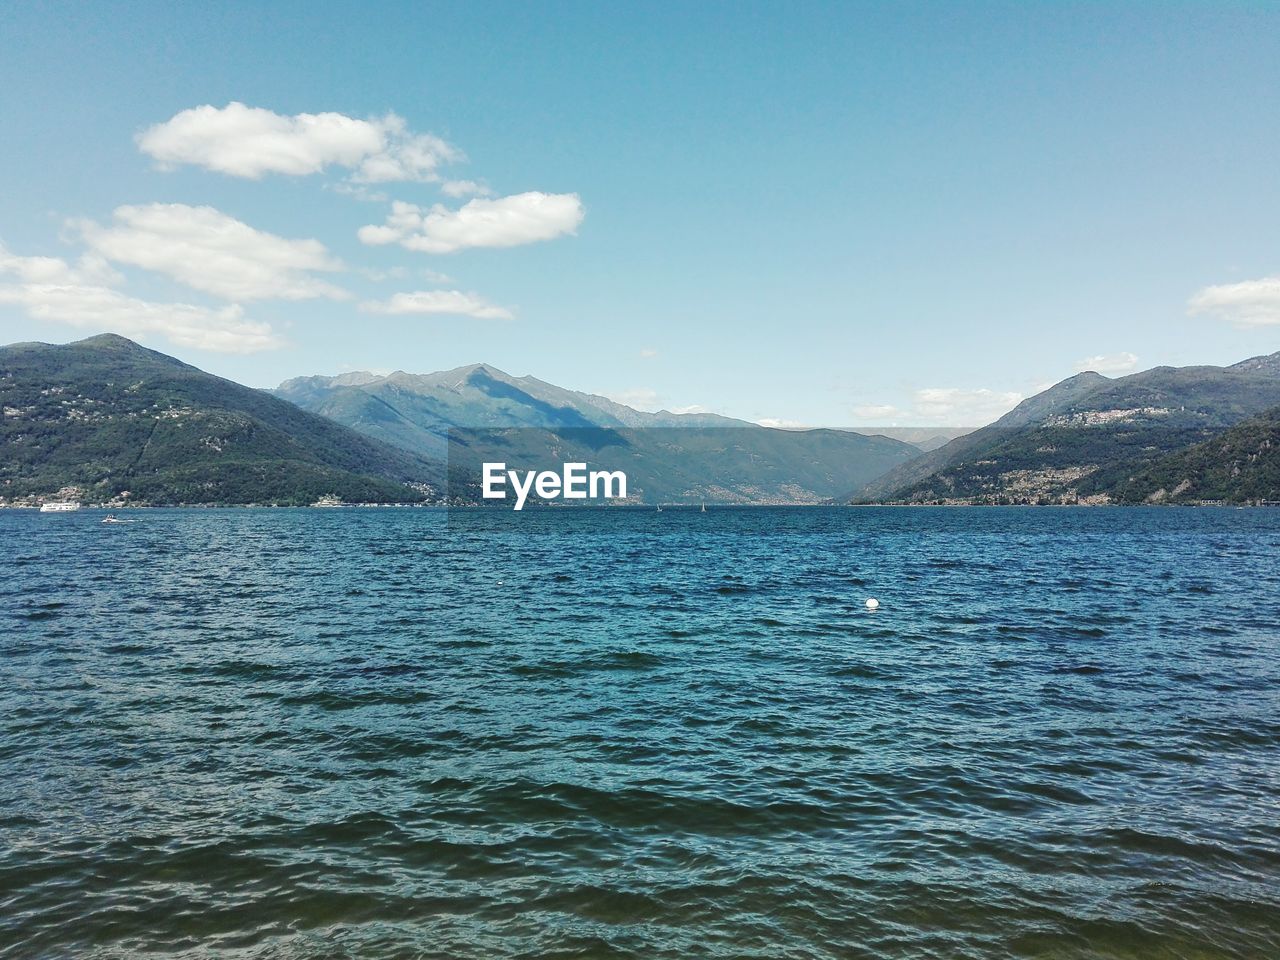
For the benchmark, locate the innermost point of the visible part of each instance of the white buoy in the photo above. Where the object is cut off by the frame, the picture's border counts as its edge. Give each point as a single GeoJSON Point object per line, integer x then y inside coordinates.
{"type": "Point", "coordinates": [873, 604]}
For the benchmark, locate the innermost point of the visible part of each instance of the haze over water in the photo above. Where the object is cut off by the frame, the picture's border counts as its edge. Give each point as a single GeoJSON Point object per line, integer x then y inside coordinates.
{"type": "Point", "coordinates": [384, 733]}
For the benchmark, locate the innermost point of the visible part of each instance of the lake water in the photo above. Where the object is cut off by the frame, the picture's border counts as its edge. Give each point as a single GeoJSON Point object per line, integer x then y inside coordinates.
{"type": "Point", "coordinates": [381, 733]}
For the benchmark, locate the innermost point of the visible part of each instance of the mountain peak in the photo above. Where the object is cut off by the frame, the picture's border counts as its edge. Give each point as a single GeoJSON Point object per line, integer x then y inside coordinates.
{"type": "Point", "coordinates": [354, 378]}
{"type": "Point", "coordinates": [485, 370]}
{"type": "Point", "coordinates": [471, 375]}
{"type": "Point", "coordinates": [115, 343]}
{"type": "Point", "coordinates": [107, 340]}
{"type": "Point", "coordinates": [1086, 380]}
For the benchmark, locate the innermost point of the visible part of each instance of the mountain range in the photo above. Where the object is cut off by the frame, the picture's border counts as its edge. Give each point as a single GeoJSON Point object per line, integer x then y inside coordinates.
{"type": "Point", "coordinates": [692, 457]}
{"type": "Point", "coordinates": [1088, 439]}
{"type": "Point", "coordinates": [107, 420]}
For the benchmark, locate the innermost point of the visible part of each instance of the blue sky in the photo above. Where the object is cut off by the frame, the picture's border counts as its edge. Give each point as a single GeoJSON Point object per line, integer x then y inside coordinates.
{"type": "Point", "coordinates": [821, 214]}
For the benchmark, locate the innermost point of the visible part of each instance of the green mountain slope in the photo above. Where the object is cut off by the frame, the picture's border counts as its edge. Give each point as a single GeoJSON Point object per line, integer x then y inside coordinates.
{"type": "Point", "coordinates": [672, 457]}
{"type": "Point", "coordinates": [1241, 465]}
{"type": "Point", "coordinates": [1081, 438]}
{"type": "Point", "coordinates": [1043, 405]}
{"type": "Point", "coordinates": [118, 421]}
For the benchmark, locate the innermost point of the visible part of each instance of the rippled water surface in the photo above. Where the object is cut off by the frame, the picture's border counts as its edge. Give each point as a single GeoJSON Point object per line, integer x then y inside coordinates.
{"type": "Point", "coordinates": [375, 733]}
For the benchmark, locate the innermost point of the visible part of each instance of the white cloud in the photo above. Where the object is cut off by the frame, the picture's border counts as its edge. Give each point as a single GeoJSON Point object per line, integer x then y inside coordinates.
{"type": "Point", "coordinates": [446, 302]}
{"type": "Point", "coordinates": [435, 276]}
{"type": "Point", "coordinates": [464, 188]}
{"type": "Point", "coordinates": [210, 251]}
{"type": "Point", "coordinates": [505, 222]}
{"type": "Point", "coordinates": [1252, 303]}
{"type": "Point", "coordinates": [777, 423]}
{"type": "Point", "coordinates": [403, 220]}
{"type": "Point", "coordinates": [648, 353]}
{"type": "Point", "coordinates": [91, 270]}
{"type": "Point", "coordinates": [406, 156]}
{"type": "Point", "coordinates": [359, 191]}
{"type": "Point", "coordinates": [82, 295]}
{"type": "Point", "coordinates": [959, 407]}
{"type": "Point", "coordinates": [941, 407]}
{"type": "Point", "coordinates": [638, 398]}
{"type": "Point", "coordinates": [1108, 363]}
{"type": "Point", "coordinates": [244, 141]}
{"type": "Point", "coordinates": [648, 400]}
{"type": "Point", "coordinates": [377, 275]}
{"type": "Point", "coordinates": [876, 411]}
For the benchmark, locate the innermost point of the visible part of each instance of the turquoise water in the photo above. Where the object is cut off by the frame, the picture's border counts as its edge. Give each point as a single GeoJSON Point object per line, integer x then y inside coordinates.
{"type": "Point", "coordinates": [381, 733]}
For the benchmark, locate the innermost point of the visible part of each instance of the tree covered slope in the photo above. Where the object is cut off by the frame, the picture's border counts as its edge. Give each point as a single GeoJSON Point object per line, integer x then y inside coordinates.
{"type": "Point", "coordinates": [1083, 439]}
{"type": "Point", "coordinates": [121, 422]}
{"type": "Point", "coordinates": [1241, 465]}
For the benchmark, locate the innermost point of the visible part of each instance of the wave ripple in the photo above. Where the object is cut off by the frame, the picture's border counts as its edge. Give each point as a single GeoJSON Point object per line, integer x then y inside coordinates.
{"type": "Point", "coordinates": [378, 734]}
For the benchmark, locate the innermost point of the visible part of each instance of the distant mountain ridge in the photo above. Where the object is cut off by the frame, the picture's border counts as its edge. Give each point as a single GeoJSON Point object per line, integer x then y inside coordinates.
{"type": "Point", "coordinates": [410, 409]}
{"type": "Point", "coordinates": [1083, 438]}
{"type": "Point", "coordinates": [118, 422]}
{"type": "Point", "coordinates": [682, 457]}
{"type": "Point", "coordinates": [922, 438]}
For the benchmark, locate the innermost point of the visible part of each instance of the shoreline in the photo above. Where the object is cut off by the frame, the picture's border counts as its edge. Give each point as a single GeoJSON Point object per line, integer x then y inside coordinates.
{"type": "Point", "coordinates": [634, 508]}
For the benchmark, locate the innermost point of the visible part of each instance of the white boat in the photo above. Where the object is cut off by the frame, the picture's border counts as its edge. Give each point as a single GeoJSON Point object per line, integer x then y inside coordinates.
{"type": "Point", "coordinates": [59, 506]}
{"type": "Point", "coordinates": [112, 518]}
